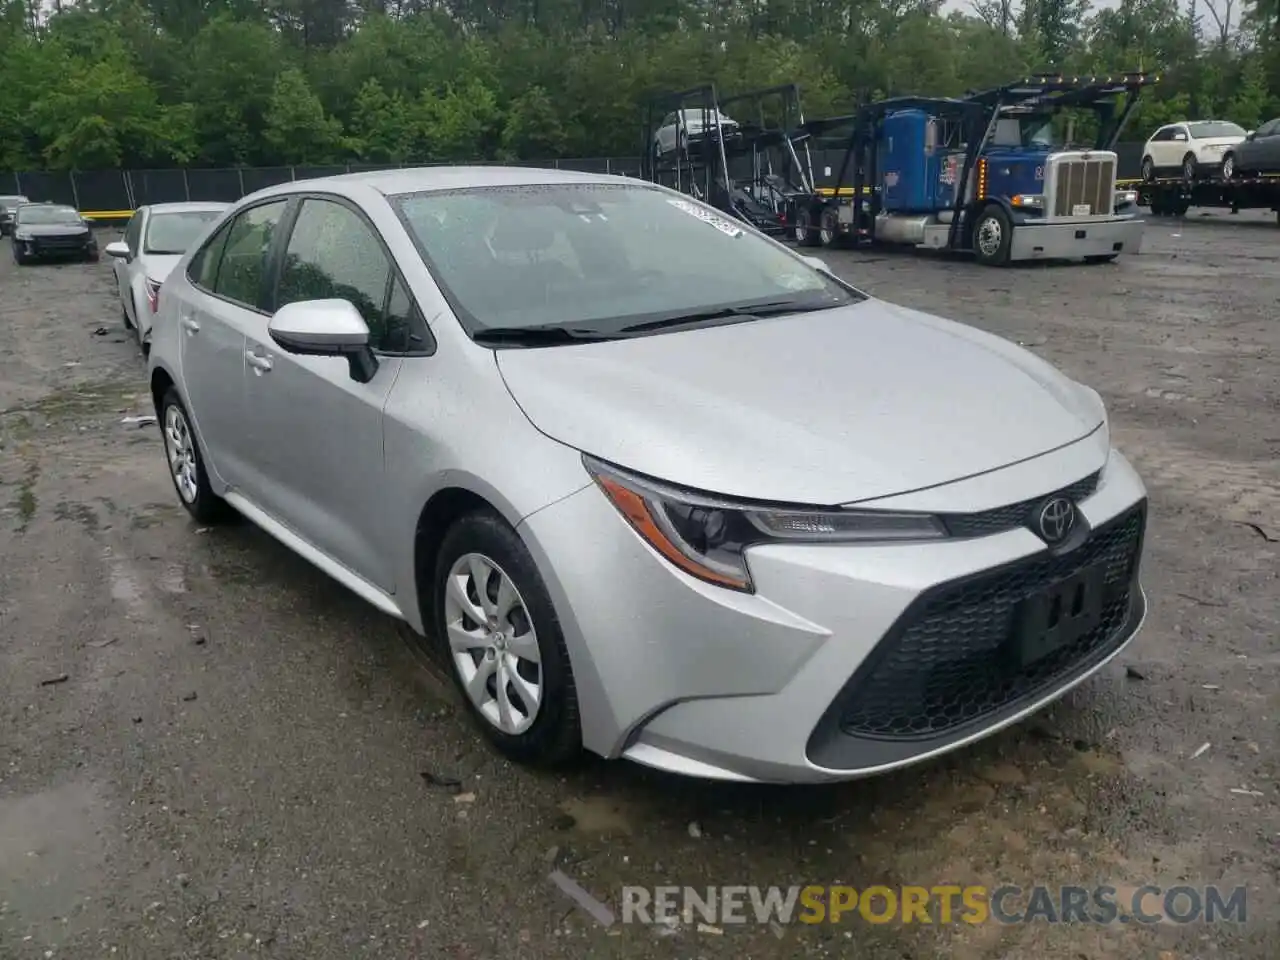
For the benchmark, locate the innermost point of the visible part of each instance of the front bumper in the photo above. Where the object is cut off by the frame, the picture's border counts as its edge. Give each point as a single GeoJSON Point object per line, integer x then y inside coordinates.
{"type": "Point", "coordinates": [810, 678]}
{"type": "Point", "coordinates": [56, 248]}
{"type": "Point", "coordinates": [1065, 240]}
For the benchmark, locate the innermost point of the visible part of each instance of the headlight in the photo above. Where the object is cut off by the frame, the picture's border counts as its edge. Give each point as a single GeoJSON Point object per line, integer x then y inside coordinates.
{"type": "Point", "coordinates": [708, 536]}
{"type": "Point", "coordinates": [1125, 197]}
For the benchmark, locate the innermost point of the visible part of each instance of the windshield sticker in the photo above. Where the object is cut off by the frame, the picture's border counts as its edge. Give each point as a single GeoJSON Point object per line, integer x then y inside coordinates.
{"type": "Point", "coordinates": [706, 216]}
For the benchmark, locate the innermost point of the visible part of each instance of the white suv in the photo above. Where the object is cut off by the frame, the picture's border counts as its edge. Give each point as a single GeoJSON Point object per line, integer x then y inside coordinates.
{"type": "Point", "coordinates": [1193, 149]}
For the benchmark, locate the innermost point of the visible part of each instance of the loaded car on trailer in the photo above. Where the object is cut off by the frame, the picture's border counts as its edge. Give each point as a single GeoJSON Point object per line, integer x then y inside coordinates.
{"type": "Point", "coordinates": [7, 205]}
{"type": "Point", "coordinates": [44, 231]}
{"type": "Point", "coordinates": [985, 173]}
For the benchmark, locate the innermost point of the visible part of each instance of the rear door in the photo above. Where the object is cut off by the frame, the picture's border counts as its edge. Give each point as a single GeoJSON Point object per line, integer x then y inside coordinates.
{"type": "Point", "coordinates": [226, 293]}
{"type": "Point", "coordinates": [317, 432]}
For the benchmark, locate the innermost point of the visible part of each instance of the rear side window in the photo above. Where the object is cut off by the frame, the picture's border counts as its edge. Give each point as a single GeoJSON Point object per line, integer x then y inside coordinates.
{"type": "Point", "coordinates": [203, 268]}
{"type": "Point", "coordinates": [244, 257]}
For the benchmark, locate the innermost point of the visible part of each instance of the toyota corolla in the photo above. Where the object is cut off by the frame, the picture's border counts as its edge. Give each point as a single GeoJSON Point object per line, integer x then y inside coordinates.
{"type": "Point", "coordinates": [653, 484]}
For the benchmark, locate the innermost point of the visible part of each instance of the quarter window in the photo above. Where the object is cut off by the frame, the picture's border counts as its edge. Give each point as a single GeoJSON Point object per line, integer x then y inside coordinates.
{"type": "Point", "coordinates": [244, 258]}
{"type": "Point", "coordinates": [132, 232]}
{"type": "Point", "coordinates": [203, 268]}
{"type": "Point", "coordinates": [334, 254]}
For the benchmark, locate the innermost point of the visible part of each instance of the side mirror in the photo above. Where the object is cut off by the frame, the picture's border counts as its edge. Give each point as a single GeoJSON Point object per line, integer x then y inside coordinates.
{"type": "Point", "coordinates": [817, 263]}
{"type": "Point", "coordinates": [1250, 135]}
{"type": "Point", "coordinates": [119, 249]}
{"type": "Point", "coordinates": [326, 328]}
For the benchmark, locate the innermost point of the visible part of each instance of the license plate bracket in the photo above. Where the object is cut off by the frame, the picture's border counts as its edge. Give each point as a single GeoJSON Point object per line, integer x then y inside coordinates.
{"type": "Point", "coordinates": [1058, 616]}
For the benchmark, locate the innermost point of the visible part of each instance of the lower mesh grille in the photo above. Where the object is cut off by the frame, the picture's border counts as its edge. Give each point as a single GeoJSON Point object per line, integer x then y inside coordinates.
{"type": "Point", "coordinates": [948, 662]}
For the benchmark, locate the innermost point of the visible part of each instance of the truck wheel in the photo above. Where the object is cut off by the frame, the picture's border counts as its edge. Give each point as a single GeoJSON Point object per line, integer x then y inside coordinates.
{"type": "Point", "coordinates": [1148, 169]}
{"type": "Point", "coordinates": [1189, 167]}
{"type": "Point", "coordinates": [992, 237]}
{"type": "Point", "coordinates": [1228, 166]}
{"type": "Point", "coordinates": [805, 233]}
{"type": "Point", "coordinates": [829, 227]}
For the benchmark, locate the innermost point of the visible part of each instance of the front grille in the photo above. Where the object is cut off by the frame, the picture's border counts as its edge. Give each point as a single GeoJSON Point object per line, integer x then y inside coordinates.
{"type": "Point", "coordinates": [56, 244]}
{"type": "Point", "coordinates": [1090, 182]}
{"type": "Point", "coordinates": [999, 519]}
{"type": "Point", "coordinates": [946, 662]}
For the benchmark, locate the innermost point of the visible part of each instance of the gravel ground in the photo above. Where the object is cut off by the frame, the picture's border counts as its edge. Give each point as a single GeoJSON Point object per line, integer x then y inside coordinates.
{"type": "Point", "coordinates": [208, 751]}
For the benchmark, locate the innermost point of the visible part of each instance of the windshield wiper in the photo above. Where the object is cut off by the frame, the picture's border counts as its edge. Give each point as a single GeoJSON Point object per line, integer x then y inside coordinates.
{"type": "Point", "coordinates": [539, 336]}
{"type": "Point", "coordinates": [771, 308]}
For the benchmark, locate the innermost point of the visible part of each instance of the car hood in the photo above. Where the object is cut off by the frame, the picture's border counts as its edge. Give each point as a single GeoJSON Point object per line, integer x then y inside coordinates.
{"type": "Point", "coordinates": [831, 407]}
{"type": "Point", "coordinates": [53, 229]}
{"type": "Point", "coordinates": [158, 266]}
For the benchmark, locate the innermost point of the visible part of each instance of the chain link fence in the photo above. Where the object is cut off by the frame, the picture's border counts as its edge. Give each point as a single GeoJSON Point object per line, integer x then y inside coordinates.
{"type": "Point", "coordinates": [119, 192]}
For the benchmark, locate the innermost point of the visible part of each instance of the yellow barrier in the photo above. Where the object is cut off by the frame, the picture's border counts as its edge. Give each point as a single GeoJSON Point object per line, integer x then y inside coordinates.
{"type": "Point", "coordinates": [106, 214]}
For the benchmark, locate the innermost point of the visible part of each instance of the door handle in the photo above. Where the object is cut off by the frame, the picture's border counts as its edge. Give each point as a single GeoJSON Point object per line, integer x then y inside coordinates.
{"type": "Point", "coordinates": [190, 324]}
{"type": "Point", "coordinates": [261, 364]}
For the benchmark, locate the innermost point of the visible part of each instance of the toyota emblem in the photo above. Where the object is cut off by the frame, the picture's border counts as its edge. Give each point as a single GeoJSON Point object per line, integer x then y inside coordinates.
{"type": "Point", "coordinates": [1056, 519]}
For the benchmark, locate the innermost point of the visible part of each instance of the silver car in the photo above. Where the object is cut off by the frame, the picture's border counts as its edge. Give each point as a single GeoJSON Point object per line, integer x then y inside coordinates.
{"type": "Point", "coordinates": [155, 239]}
{"type": "Point", "coordinates": [653, 484]}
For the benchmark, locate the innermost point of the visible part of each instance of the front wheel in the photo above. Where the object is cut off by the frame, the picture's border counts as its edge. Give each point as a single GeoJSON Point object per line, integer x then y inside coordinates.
{"type": "Point", "coordinates": [495, 619]}
{"type": "Point", "coordinates": [1190, 167]}
{"type": "Point", "coordinates": [1148, 169]}
{"type": "Point", "coordinates": [993, 237]}
{"type": "Point", "coordinates": [829, 227]}
{"type": "Point", "coordinates": [186, 463]}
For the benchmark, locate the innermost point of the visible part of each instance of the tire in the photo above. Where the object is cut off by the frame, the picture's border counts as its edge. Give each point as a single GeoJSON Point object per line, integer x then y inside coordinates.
{"type": "Point", "coordinates": [806, 235]}
{"type": "Point", "coordinates": [1148, 169]}
{"type": "Point", "coordinates": [192, 485]}
{"type": "Point", "coordinates": [829, 227]}
{"type": "Point", "coordinates": [1102, 258]}
{"type": "Point", "coordinates": [1228, 166]}
{"type": "Point", "coordinates": [992, 236]}
{"type": "Point", "coordinates": [547, 733]}
{"type": "Point", "coordinates": [124, 315]}
{"type": "Point", "coordinates": [1190, 168]}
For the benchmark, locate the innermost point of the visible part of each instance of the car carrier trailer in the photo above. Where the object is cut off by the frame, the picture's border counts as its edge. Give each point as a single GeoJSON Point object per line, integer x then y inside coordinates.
{"type": "Point", "coordinates": [976, 174]}
{"type": "Point", "coordinates": [749, 168]}
{"type": "Point", "coordinates": [1174, 196]}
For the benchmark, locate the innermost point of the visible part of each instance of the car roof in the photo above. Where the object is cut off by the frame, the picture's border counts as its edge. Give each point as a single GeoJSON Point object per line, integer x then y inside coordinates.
{"type": "Point", "coordinates": [49, 204]}
{"type": "Point", "coordinates": [425, 179]}
{"type": "Point", "coordinates": [188, 206]}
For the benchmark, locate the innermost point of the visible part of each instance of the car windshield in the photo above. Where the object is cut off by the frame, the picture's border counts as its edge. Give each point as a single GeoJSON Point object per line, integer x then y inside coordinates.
{"type": "Point", "coordinates": [602, 257]}
{"type": "Point", "coordinates": [1215, 128]}
{"type": "Point", "coordinates": [173, 233]}
{"type": "Point", "coordinates": [39, 214]}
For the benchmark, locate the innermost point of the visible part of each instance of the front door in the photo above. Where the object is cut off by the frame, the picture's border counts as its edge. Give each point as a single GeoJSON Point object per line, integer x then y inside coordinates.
{"type": "Point", "coordinates": [224, 296]}
{"type": "Point", "coordinates": [321, 474]}
{"type": "Point", "coordinates": [123, 266]}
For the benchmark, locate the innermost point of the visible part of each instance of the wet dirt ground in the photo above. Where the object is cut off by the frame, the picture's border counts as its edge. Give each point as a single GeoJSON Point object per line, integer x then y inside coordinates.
{"type": "Point", "coordinates": [208, 750]}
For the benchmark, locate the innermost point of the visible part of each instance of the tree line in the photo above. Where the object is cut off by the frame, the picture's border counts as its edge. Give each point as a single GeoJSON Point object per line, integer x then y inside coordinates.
{"type": "Point", "coordinates": [95, 84]}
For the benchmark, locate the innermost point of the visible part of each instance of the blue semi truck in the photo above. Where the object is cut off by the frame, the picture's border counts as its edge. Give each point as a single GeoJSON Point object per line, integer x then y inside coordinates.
{"type": "Point", "coordinates": [987, 173]}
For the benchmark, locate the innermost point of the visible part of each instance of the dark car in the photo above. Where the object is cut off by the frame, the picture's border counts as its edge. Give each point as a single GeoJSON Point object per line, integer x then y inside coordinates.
{"type": "Point", "coordinates": [7, 206]}
{"type": "Point", "coordinates": [1259, 153]}
{"type": "Point", "coordinates": [44, 231]}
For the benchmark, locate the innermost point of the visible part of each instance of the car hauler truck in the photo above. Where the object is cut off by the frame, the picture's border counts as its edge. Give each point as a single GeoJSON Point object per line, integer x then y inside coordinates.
{"type": "Point", "coordinates": [983, 173]}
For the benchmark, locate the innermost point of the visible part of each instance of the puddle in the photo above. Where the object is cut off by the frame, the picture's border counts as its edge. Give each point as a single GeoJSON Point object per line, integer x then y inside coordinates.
{"type": "Point", "coordinates": [51, 850]}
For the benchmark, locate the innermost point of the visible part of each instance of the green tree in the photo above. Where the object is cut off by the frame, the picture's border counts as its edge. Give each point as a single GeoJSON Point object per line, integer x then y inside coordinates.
{"type": "Point", "coordinates": [297, 129]}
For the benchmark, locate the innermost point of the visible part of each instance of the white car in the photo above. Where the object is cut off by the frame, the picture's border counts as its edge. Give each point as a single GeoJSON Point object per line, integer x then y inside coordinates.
{"type": "Point", "coordinates": [154, 241]}
{"type": "Point", "coordinates": [1193, 149]}
{"type": "Point", "coordinates": [680, 128]}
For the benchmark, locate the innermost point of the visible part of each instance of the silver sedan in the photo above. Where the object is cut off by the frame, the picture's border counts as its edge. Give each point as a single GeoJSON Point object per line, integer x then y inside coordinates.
{"type": "Point", "coordinates": [155, 239]}
{"type": "Point", "coordinates": [652, 483]}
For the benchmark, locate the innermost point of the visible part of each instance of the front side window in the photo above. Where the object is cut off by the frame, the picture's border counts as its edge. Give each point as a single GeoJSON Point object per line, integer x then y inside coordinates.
{"type": "Point", "coordinates": [38, 214]}
{"type": "Point", "coordinates": [333, 254]}
{"type": "Point", "coordinates": [244, 258]}
{"type": "Point", "coordinates": [173, 233]}
{"type": "Point", "coordinates": [602, 257]}
{"type": "Point", "coordinates": [1216, 128]}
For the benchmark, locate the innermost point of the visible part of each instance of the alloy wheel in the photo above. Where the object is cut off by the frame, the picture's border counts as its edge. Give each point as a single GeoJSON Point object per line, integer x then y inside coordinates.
{"type": "Point", "coordinates": [180, 447]}
{"type": "Point", "coordinates": [493, 643]}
